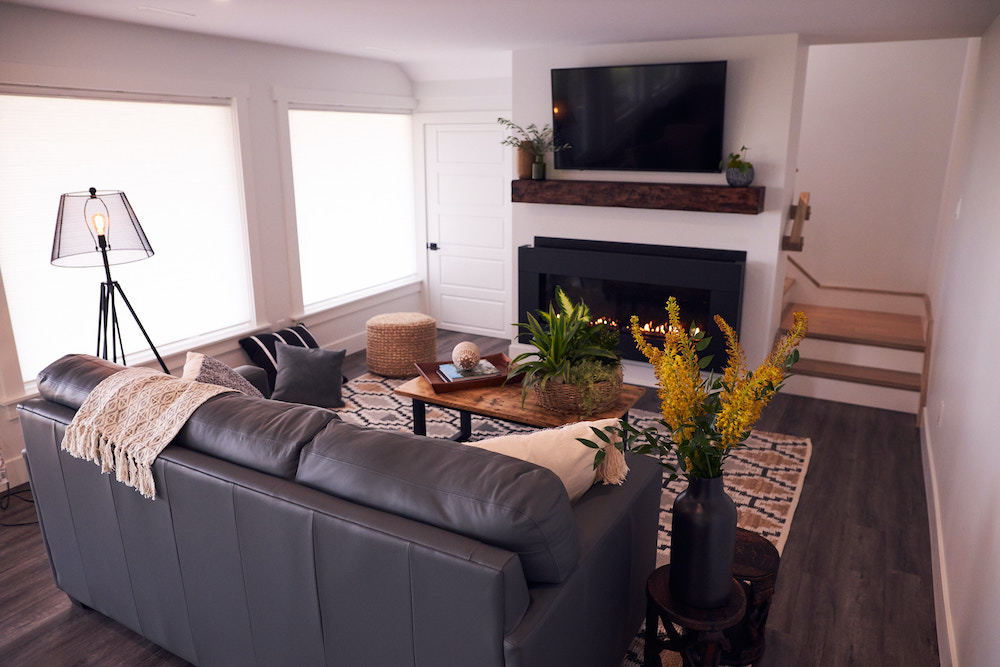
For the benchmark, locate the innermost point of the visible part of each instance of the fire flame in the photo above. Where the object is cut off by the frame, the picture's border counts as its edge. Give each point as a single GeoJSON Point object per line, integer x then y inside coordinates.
{"type": "Point", "coordinates": [647, 327]}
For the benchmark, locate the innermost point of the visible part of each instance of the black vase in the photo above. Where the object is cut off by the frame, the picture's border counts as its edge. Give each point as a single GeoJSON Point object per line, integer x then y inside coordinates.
{"type": "Point", "coordinates": [702, 542]}
{"type": "Point", "coordinates": [538, 171]}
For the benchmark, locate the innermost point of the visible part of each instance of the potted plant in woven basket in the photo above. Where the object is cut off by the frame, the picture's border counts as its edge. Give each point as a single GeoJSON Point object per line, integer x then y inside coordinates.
{"type": "Point", "coordinates": [575, 367]}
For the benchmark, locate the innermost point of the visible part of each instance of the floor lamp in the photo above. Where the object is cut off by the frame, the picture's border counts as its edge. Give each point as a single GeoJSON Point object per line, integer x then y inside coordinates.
{"type": "Point", "coordinates": [100, 228]}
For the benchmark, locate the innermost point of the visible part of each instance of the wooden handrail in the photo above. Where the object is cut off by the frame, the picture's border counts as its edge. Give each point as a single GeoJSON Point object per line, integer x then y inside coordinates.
{"type": "Point", "coordinates": [800, 213]}
{"type": "Point", "coordinates": [867, 290]}
{"type": "Point", "coordinates": [928, 314]}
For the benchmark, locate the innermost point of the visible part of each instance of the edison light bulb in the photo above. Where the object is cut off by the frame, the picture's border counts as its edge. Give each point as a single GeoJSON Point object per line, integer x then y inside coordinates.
{"type": "Point", "coordinates": [99, 223]}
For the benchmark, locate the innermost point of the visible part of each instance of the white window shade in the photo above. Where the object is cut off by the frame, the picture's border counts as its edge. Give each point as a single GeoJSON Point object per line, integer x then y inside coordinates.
{"type": "Point", "coordinates": [179, 166]}
{"type": "Point", "coordinates": [353, 179]}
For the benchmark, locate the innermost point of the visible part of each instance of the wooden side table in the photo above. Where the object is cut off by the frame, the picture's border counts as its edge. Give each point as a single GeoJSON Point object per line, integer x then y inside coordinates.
{"type": "Point", "coordinates": [702, 640]}
{"type": "Point", "coordinates": [756, 566]}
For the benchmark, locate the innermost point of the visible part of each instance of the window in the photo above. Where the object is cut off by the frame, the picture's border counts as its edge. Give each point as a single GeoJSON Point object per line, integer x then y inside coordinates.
{"type": "Point", "coordinates": [178, 164]}
{"type": "Point", "coordinates": [353, 179]}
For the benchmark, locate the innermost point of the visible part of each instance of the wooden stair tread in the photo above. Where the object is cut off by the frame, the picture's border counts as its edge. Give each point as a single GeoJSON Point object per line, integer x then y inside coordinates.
{"type": "Point", "coordinates": [881, 377]}
{"type": "Point", "coordinates": [862, 327]}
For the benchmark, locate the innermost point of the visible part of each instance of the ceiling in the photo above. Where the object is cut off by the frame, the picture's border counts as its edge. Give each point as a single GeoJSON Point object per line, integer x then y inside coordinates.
{"type": "Point", "coordinates": [450, 36]}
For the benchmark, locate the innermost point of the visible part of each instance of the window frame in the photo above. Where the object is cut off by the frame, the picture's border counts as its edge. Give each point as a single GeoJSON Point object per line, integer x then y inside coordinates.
{"type": "Point", "coordinates": [287, 99]}
{"type": "Point", "coordinates": [57, 84]}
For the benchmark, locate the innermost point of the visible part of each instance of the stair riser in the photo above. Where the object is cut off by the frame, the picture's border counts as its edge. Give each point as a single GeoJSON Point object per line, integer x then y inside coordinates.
{"type": "Point", "coordinates": [861, 355]}
{"type": "Point", "coordinates": [853, 393]}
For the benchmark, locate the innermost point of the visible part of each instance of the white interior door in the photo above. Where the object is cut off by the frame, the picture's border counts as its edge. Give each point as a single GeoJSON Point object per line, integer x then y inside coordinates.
{"type": "Point", "coordinates": [469, 227]}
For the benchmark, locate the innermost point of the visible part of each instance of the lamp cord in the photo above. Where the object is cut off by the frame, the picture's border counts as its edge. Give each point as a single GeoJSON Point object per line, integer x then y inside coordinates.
{"type": "Point", "coordinates": [5, 503]}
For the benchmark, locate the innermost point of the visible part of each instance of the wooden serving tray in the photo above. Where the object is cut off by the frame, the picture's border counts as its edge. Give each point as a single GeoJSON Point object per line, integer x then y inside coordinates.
{"type": "Point", "coordinates": [429, 371]}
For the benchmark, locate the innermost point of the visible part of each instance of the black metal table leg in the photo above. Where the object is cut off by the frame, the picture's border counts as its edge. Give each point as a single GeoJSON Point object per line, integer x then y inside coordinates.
{"type": "Point", "coordinates": [464, 426]}
{"type": "Point", "coordinates": [419, 417]}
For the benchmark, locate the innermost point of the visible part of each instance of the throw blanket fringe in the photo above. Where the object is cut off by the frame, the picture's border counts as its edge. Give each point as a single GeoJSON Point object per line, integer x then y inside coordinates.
{"type": "Point", "coordinates": [129, 418]}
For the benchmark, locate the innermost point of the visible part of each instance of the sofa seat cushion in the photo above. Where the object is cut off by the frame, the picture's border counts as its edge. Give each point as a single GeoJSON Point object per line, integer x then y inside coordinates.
{"type": "Point", "coordinates": [498, 500]}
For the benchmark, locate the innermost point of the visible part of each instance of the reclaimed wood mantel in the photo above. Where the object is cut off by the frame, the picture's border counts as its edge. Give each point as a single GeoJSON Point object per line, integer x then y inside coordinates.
{"type": "Point", "coordinates": [670, 196]}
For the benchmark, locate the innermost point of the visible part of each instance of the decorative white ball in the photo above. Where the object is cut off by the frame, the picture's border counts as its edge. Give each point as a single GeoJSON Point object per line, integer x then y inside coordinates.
{"type": "Point", "coordinates": [465, 355]}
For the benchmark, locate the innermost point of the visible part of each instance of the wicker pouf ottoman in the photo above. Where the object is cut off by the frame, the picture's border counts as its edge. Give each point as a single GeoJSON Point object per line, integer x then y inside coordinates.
{"type": "Point", "coordinates": [398, 340]}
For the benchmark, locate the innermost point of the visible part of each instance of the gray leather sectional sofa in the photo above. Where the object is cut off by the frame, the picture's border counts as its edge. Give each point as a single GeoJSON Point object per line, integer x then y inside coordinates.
{"type": "Point", "coordinates": [281, 535]}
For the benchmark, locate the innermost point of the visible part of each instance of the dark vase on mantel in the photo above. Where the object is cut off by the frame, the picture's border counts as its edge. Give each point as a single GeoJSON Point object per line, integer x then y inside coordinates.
{"type": "Point", "coordinates": [538, 168]}
{"type": "Point", "coordinates": [739, 179]}
{"type": "Point", "coordinates": [702, 542]}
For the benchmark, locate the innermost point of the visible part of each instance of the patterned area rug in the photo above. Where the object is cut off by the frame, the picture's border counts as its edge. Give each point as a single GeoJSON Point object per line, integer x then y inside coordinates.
{"type": "Point", "coordinates": [764, 478]}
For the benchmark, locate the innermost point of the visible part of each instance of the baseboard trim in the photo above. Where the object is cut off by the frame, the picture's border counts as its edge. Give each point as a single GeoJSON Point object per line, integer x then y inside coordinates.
{"type": "Point", "coordinates": [942, 604]}
{"type": "Point", "coordinates": [17, 472]}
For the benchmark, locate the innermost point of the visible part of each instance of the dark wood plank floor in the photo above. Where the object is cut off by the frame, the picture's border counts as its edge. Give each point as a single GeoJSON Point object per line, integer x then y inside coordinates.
{"type": "Point", "coordinates": [854, 586]}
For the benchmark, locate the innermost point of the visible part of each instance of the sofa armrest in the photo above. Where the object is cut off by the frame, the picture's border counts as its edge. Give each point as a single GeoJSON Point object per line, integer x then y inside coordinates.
{"type": "Point", "coordinates": [256, 376]}
{"type": "Point", "coordinates": [591, 618]}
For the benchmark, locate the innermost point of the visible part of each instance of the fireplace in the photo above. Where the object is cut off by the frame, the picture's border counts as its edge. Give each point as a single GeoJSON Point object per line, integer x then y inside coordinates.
{"type": "Point", "coordinates": [618, 280]}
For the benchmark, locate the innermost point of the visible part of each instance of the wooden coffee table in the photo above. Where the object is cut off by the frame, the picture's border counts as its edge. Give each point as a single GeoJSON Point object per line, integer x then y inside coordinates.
{"type": "Point", "coordinates": [503, 402]}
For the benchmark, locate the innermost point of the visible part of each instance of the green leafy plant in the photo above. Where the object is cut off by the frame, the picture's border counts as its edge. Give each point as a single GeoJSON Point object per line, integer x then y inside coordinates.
{"type": "Point", "coordinates": [536, 141]}
{"type": "Point", "coordinates": [586, 375]}
{"type": "Point", "coordinates": [739, 161]}
{"type": "Point", "coordinates": [564, 338]}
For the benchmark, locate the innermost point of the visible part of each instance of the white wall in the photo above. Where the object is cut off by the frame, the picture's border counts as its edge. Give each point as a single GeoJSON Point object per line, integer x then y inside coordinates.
{"type": "Point", "coordinates": [462, 95]}
{"type": "Point", "coordinates": [876, 133]}
{"type": "Point", "coordinates": [961, 437]}
{"type": "Point", "coordinates": [53, 49]}
{"type": "Point", "coordinates": [763, 96]}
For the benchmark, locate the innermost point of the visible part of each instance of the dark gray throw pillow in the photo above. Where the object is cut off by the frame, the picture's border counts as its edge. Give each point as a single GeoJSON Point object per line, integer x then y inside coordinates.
{"type": "Point", "coordinates": [261, 347]}
{"type": "Point", "coordinates": [309, 376]}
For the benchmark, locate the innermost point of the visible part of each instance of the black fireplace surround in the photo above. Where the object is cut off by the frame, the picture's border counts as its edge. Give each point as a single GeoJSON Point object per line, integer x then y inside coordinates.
{"type": "Point", "coordinates": [618, 280]}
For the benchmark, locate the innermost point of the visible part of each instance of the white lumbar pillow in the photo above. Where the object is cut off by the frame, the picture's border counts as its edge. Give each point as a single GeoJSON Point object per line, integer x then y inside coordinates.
{"type": "Point", "coordinates": [558, 450]}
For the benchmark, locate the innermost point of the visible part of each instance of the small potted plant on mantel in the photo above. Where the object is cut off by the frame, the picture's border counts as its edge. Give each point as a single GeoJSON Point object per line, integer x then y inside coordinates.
{"type": "Point", "coordinates": [532, 144]}
{"type": "Point", "coordinates": [739, 172]}
{"type": "Point", "coordinates": [575, 367]}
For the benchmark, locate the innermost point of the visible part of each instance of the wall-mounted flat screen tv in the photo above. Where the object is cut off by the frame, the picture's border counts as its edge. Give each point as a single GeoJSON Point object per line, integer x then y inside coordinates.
{"type": "Point", "coordinates": [666, 117]}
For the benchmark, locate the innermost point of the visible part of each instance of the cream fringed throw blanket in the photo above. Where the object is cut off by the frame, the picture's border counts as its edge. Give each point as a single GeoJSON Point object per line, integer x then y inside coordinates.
{"type": "Point", "coordinates": [129, 418]}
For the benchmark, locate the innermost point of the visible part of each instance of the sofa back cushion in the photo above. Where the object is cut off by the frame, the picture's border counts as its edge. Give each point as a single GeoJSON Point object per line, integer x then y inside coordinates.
{"type": "Point", "coordinates": [69, 380]}
{"type": "Point", "coordinates": [498, 500]}
{"type": "Point", "coordinates": [264, 435]}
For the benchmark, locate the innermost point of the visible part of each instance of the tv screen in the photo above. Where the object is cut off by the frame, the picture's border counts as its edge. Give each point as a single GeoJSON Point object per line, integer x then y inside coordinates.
{"type": "Point", "coordinates": [640, 117]}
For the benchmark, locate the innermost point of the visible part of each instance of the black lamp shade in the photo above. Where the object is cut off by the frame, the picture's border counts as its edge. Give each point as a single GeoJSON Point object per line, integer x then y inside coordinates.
{"type": "Point", "coordinates": [76, 242]}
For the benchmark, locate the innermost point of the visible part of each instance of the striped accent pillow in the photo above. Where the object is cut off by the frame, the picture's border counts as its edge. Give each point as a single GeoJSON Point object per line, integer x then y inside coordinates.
{"type": "Point", "coordinates": [261, 348]}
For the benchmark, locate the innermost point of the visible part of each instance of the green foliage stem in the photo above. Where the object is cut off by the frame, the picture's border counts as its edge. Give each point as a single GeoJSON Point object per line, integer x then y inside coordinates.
{"type": "Point", "coordinates": [739, 161]}
{"type": "Point", "coordinates": [536, 141]}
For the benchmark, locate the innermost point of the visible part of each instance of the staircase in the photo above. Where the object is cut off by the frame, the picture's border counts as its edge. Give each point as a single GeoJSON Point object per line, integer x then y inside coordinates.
{"type": "Point", "coordinates": [861, 356]}
{"type": "Point", "coordinates": [877, 356]}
